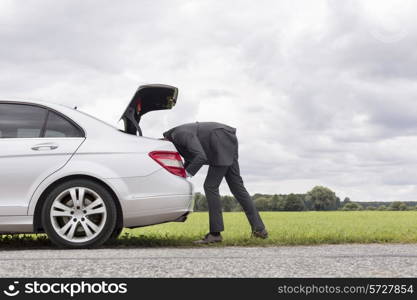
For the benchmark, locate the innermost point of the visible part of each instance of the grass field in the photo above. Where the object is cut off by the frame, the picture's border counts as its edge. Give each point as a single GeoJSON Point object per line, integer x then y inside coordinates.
{"type": "Point", "coordinates": [285, 228]}
{"type": "Point", "coordinates": [289, 228]}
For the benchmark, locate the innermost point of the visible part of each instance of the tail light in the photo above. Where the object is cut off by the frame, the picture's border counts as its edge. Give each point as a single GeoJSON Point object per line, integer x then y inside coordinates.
{"type": "Point", "coordinates": [169, 160]}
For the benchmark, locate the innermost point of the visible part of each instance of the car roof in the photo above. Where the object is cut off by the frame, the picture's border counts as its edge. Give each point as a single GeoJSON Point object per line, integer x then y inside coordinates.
{"type": "Point", "coordinates": [33, 101]}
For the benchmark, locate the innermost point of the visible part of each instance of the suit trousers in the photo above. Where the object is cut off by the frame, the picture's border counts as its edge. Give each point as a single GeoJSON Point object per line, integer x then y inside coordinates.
{"type": "Point", "coordinates": [214, 177]}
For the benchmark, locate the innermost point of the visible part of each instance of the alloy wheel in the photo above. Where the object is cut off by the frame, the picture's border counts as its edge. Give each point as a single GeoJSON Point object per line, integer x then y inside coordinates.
{"type": "Point", "coordinates": [78, 214]}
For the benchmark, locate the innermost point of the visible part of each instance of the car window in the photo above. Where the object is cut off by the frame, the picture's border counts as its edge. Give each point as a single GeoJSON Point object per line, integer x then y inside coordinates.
{"type": "Point", "coordinates": [21, 121]}
{"type": "Point", "coordinates": [58, 126]}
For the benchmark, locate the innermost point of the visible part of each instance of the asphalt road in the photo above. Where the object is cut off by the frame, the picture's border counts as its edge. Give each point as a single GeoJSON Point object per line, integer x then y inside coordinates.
{"type": "Point", "coordinates": [301, 261]}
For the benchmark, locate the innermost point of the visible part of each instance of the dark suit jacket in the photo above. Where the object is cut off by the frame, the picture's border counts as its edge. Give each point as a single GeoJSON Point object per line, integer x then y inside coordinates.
{"type": "Point", "coordinates": [203, 143]}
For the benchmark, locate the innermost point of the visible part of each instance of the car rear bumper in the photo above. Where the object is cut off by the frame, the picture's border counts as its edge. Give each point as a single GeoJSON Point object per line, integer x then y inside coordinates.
{"type": "Point", "coordinates": [157, 198]}
{"type": "Point", "coordinates": [137, 216]}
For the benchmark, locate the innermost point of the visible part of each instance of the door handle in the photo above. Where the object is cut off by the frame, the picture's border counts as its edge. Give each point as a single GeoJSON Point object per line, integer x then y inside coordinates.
{"type": "Point", "coordinates": [45, 146]}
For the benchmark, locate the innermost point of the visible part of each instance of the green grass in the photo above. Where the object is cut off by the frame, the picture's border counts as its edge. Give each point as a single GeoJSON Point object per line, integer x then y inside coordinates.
{"type": "Point", "coordinates": [285, 228]}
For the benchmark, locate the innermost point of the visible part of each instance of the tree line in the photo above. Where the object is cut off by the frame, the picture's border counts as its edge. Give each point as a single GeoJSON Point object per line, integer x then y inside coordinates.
{"type": "Point", "coordinates": [320, 198]}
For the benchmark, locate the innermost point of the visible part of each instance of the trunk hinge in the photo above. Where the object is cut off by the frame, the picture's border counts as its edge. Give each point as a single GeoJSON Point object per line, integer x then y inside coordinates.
{"type": "Point", "coordinates": [131, 117]}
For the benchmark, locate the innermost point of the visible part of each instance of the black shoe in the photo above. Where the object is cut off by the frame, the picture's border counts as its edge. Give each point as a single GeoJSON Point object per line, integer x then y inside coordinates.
{"type": "Point", "coordinates": [263, 234]}
{"type": "Point", "coordinates": [209, 238]}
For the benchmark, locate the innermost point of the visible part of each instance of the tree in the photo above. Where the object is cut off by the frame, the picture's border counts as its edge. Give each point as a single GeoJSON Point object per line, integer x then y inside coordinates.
{"type": "Point", "coordinates": [397, 205]}
{"type": "Point", "coordinates": [280, 203]}
{"type": "Point", "coordinates": [322, 198]}
{"type": "Point", "coordinates": [382, 207]}
{"type": "Point", "coordinates": [370, 207]}
{"type": "Point", "coordinates": [403, 206]}
{"type": "Point", "coordinates": [292, 202]}
{"type": "Point", "coordinates": [346, 200]}
{"type": "Point", "coordinates": [228, 203]}
{"type": "Point", "coordinates": [200, 202]}
{"type": "Point", "coordinates": [275, 201]}
{"type": "Point", "coordinates": [352, 206]}
{"type": "Point", "coordinates": [338, 204]}
{"type": "Point", "coordinates": [257, 195]}
{"type": "Point", "coordinates": [263, 203]}
{"type": "Point", "coordinates": [307, 202]}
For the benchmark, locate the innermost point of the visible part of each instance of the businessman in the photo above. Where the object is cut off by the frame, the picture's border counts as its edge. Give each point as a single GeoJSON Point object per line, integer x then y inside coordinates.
{"type": "Point", "coordinates": [216, 145]}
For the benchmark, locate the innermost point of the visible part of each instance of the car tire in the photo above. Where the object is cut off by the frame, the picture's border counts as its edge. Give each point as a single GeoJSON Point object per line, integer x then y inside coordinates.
{"type": "Point", "coordinates": [79, 214]}
{"type": "Point", "coordinates": [115, 234]}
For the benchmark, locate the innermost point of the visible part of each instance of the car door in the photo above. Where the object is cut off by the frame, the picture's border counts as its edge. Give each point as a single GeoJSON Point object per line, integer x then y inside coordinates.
{"type": "Point", "coordinates": [35, 141]}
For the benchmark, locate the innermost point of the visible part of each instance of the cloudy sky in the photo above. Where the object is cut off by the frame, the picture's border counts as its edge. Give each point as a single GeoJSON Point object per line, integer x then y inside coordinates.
{"type": "Point", "coordinates": [322, 92]}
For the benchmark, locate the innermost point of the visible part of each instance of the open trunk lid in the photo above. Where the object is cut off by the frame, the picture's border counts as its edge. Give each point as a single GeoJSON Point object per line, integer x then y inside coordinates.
{"type": "Point", "coordinates": [147, 98]}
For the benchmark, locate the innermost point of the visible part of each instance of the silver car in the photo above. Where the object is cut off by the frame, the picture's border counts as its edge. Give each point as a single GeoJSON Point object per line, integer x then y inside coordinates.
{"type": "Point", "coordinates": [81, 180]}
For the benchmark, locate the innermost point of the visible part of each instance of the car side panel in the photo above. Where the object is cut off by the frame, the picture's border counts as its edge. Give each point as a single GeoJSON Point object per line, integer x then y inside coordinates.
{"type": "Point", "coordinates": [16, 224]}
{"type": "Point", "coordinates": [23, 169]}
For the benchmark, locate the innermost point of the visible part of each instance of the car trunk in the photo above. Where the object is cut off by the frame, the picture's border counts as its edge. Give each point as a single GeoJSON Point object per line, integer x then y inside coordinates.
{"type": "Point", "coordinates": [147, 98]}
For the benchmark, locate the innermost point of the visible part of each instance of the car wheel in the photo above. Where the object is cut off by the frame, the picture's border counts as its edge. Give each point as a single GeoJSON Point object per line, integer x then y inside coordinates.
{"type": "Point", "coordinates": [79, 214]}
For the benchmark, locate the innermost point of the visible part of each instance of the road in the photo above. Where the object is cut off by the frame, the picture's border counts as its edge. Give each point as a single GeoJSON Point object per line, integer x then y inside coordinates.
{"type": "Point", "coordinates": [374, 260]}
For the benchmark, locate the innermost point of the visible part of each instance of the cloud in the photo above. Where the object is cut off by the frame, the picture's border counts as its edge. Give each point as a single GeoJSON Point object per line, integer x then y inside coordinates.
{"type": "Point", "coordinates": [322, 92]}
